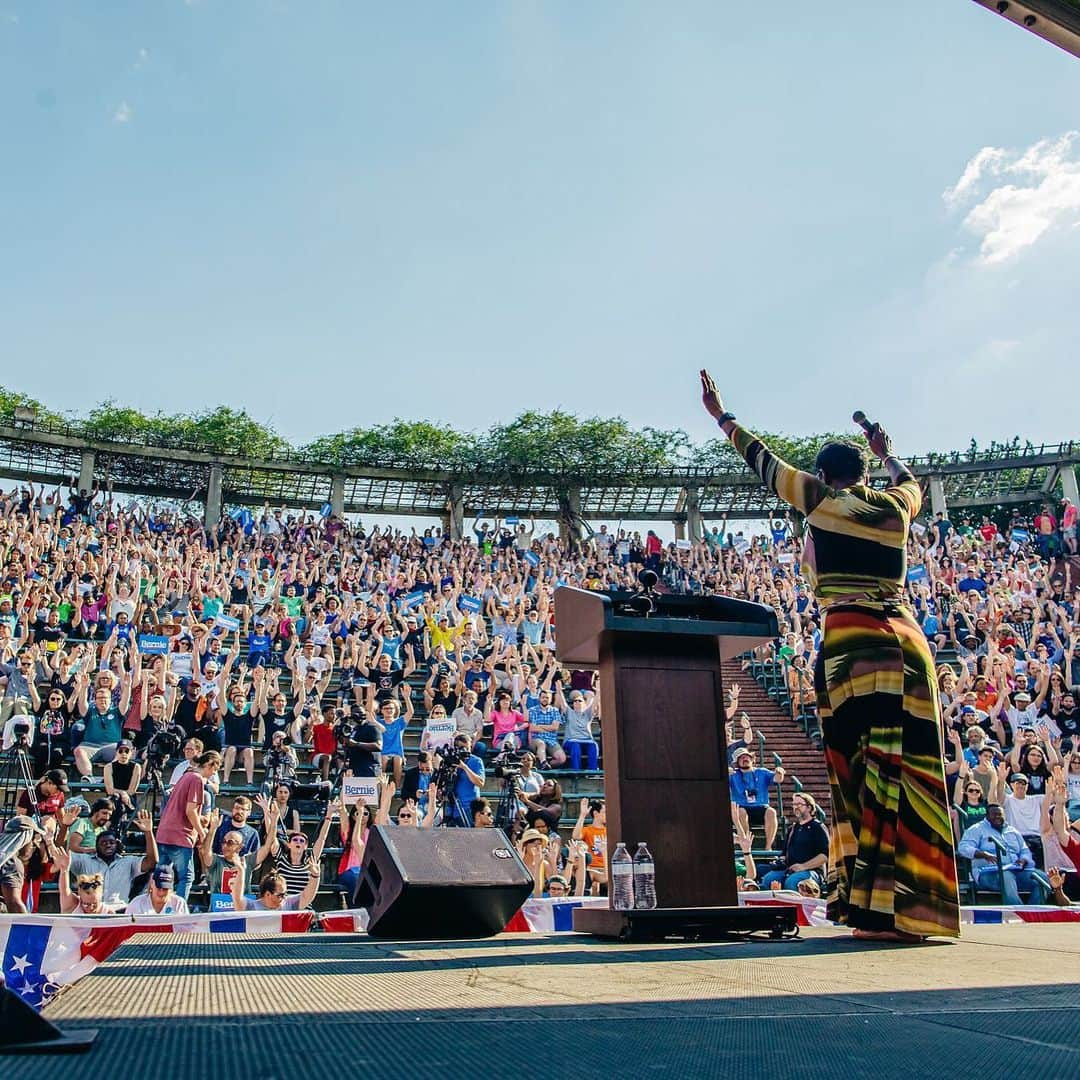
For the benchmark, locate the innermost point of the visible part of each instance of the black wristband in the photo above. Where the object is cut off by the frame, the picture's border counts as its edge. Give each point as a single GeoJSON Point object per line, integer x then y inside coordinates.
{"type": "Point", "coordinates": [725, 416]}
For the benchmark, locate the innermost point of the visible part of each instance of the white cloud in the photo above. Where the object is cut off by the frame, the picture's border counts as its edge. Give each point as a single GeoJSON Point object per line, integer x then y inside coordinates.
{"type": "Point", "coordinates": [1015, 198]}
{"type": "Point", "coordinates": [141, 57]}
{"type": "Point", "coordinates": [123, 114]}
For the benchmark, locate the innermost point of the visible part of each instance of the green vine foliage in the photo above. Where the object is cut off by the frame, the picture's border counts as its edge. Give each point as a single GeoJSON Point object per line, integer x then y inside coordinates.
{"type": "Point", "coordinates": [552, 443]}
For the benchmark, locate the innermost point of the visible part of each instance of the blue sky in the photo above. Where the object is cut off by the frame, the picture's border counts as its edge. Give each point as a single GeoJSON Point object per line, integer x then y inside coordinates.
{"type": "Point", "coordinates": [334, 213]}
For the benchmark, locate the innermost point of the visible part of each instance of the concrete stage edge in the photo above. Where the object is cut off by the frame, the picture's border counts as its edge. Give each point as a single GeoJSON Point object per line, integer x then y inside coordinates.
{"type": "Point", "coordinates": [1003, 1001]}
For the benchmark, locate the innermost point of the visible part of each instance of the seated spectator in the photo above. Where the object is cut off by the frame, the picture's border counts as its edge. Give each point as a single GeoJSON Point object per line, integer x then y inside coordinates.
{"type": "Point", "coordinates": [594, 837]}
{"type": "Point", "coordinates": [354, 827]}
{"type": "Point", "coordinates": [546, 806]}
{"type": "Point", "coordinates": [806, 847]}
{"type": "Point", "coordinates": [1059, 844]}
{"type": "Point", "coordinates": [82, 835]}
{"type": "Point", "coordinates": [89, 888]}
{"type": "Point", "coordinates": [273, 895]}
{"type": "Point", "coordinates": [509, 727]}
{"type": "Point", "coordinates": [970, 800]}
{"type": "Point", "coordinates": [160, 897]}
{"type": "Point", "coordinates": [118, 872]}
{"type": "Point", "coordinates": [237, 822]}
{"type": "Point", "coordinates": [49, 795]}
{"type": "Point", "coordinates": [291, 858]}
{"type": "Point", "coordinates": [980, 844]}
{"type": "Point", "coordinates": [220, 867]}
{"type": "Point", "coordinates": [24, 865]}
{"type": "Point", "coordinates": [1023, 812]}
{"type": "Point", "coordinates": [545, 719]}
{"type": "Point", "coordinates": [578, 712]}
{"type": "Point", "coordinates": [750, 794]}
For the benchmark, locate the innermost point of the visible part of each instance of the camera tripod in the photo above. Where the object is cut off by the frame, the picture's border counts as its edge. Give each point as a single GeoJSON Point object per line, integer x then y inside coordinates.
{"type": "Point", "coordinates": [506, 811]}
{"type": "Point", "coordinates": [151, 797]}
{"type": "Point", "coordinates": [18, 775]}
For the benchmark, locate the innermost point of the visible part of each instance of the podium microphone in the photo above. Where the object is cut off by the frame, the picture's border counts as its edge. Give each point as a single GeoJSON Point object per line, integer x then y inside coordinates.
{"type": "Point", "coordinates": [860, 418]}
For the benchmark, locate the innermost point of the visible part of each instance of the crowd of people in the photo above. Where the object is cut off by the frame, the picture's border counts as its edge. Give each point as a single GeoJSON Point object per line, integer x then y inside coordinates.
{"type": "Point", "coordinates": [157, 666]}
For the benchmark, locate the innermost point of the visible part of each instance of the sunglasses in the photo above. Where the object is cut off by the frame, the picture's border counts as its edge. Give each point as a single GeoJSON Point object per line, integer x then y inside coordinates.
{"type": "Point", "coordinates": [405, 817]}
{"type": "Point", "coordinates": [89, 886]}
{"type": "Point", "coordinates": [297, 839]}
{"type": "Point", "coordinates": [278, 895]}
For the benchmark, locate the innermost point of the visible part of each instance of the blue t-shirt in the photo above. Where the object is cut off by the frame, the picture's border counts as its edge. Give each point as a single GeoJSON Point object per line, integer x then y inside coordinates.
{"type": "Point", "coordinates": [750, 788]}
{"type": "Point", "coordinates": [259, 643]}
{"type": "Point", "coordinates": [464, 788]}
{"type": "Point", "coordinates": [391, 740]}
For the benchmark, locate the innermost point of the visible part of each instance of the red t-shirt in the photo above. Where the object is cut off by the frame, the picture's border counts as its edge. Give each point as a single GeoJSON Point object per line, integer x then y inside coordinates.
{"type": "Point", "coordinates": [322, 740]}
{"type": "Point", "coordinates": [174, 827]}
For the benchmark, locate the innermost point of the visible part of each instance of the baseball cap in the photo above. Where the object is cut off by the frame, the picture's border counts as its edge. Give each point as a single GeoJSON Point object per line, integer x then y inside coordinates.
{"type": "Point", "coordinates": [1017, 776]}
{"type": "Point", "coordinates": [163, 876]}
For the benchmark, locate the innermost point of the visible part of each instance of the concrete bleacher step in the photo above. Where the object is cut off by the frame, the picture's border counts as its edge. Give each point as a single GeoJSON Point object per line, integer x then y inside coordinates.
{"type": "Point", "coordinates": [783, 735]}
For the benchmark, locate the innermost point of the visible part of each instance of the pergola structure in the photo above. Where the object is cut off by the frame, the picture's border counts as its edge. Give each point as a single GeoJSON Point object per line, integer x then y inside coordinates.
{"type": "Point", "coordinates": [686, 497]}
{"type": "Point", "coordinates": [1056, 21]}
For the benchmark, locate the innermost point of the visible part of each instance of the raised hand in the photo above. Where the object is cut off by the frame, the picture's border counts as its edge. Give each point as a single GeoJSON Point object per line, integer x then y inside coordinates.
{"type": "Point", "coordinates": [710, 396]}
{"type": "Point", "coordinates": [143, 821]}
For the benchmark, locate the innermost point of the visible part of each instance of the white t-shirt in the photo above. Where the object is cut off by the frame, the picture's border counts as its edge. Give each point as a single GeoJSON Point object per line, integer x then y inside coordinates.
{"type": "Point", "coordinates": [1023, 814]}
{"type": "Point", "coordinates": [141, 905]}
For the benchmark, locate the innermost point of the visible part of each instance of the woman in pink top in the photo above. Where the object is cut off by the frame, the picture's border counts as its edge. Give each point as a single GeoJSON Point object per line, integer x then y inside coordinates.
{"type": "Point", "coordinates": [507, 722]}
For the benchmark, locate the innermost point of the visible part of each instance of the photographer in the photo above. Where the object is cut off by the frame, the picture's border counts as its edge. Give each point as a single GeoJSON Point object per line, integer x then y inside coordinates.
{"type": "Point", "coordinates": [361, 741]}
{"type": "Point", "coordinates": [468, 780]}
{"type": "Point", "coordinates": [281, 763]}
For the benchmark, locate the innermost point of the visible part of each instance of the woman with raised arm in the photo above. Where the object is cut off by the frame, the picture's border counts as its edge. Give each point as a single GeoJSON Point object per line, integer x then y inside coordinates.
{"type": "Point", "coordinates": [892, 867]}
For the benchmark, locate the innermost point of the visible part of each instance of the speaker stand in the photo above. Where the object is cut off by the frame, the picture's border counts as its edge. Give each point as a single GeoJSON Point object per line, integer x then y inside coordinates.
{"type": "Point", "coordinates": [24, 1031]}
{"type": "Point", "coordinates": [688, 924]}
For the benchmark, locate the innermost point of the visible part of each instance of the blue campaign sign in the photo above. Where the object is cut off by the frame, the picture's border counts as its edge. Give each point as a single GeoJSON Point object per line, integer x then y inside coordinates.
{"type": "Point", "coordinates": [917, 573]}
{"type": "Point", "coordinates": [153, 645]}
{"type": "Point", "coordinates": [326, 510]}
{"type": "Point", "coordinates": [412, 599]}
{"type": "Point", "coordinates": [511, 520]}
{"type": "Point", "coordinates": [469, 604]}
{"type": "Point", "coordinates": [532, 558]}
{"type": "Point", "coordinates": [227, 622]}
{"type": "Point", "coordinates": [1020, 536]}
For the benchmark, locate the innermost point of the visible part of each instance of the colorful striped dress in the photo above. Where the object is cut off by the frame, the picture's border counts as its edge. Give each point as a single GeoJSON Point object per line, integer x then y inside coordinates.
{"type": "Point", "coordinates": [892, 864]}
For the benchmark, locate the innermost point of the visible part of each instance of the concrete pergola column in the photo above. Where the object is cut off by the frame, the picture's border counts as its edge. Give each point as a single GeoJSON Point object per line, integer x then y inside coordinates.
{"type": "Point", "coordinates": [337, 495]}
{"type": "Point", "coordinates": [695, 525]}
{"type": "Point", "coordinates": [86, 471]}
{"type": "Point", "coordinates": [1068, 485]}
{"type": "Point", "coordinates": [569, 529]}
{"type": "Point", "coordinates": [454, 518]}
{"type": "Point", "coordinates": [212, 512]}
{"type": "Point", "coordinates": [937, 495]}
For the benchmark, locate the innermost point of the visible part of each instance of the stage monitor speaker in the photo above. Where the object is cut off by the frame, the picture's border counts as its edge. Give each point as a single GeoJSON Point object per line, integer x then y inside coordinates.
{"type": "Point", "coordinates": [421, 884]}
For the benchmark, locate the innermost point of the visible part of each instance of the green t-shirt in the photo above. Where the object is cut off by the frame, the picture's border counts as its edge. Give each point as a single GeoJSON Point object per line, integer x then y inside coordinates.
{"type": "Point", "coordinates": [293, 605]}
{"type": "Point", "coordinates": [87, 831]}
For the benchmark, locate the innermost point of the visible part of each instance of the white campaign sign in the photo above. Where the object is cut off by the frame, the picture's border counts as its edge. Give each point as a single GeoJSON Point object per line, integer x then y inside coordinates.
{"type": "Point", "coordinates": [356, 789]}
{"type": "Point", "coordinates": [440, 733]}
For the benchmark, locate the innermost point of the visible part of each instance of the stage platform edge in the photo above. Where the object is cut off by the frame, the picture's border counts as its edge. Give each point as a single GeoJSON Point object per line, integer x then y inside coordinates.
{"type": "Point", "coordinates": [1000, 1000]}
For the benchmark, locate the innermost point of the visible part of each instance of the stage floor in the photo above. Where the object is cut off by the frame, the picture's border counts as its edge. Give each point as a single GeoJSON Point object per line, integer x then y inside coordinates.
{"type": "Point", "coordinates": [1003, 1001]}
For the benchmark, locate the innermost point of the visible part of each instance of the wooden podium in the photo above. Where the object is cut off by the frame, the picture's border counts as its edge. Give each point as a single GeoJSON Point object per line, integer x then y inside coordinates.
{"type": "Point", "coordinates": [665, 754]}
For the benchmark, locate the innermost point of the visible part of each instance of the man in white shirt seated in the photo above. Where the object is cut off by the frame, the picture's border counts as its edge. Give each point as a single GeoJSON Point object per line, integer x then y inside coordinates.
{"type": "Point", "coordinates": [1023, 812]}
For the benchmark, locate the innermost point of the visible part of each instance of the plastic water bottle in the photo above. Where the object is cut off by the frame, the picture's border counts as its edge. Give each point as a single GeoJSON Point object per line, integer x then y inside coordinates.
{"type": "Point", "coordinates": [622, 879]}
{"type": "Point", "coordinates": [644, 878]}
